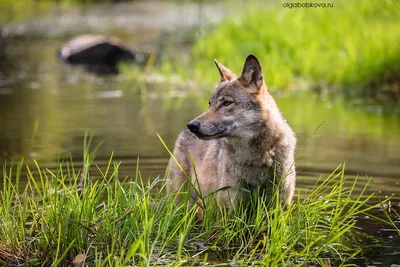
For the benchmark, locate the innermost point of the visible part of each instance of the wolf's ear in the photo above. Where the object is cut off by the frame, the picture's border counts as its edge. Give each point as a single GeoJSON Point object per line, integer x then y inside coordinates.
{"type": "Point", "coordinates": [252, 77]}
{"type": "Point", "coordinates": [226, 74]}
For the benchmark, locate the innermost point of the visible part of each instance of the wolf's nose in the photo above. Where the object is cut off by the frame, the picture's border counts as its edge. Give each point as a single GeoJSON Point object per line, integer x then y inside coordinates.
{"type": "Point", "coordinates": [193, 126]}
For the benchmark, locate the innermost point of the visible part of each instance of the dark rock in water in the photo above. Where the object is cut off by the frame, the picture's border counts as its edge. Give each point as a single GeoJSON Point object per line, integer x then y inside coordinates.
{"type": "Point", "coordinates": [100, 54]}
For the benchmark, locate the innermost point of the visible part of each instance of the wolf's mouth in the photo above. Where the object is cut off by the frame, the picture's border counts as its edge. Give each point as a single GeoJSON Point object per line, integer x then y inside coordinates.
{"type": "Point", "coordinates": [203, 136]}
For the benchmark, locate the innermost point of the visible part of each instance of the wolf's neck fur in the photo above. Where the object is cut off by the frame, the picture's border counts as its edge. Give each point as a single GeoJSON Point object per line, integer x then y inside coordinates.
{"type": "Point", "coordinates": [254, 157]}
{"type": "Point", "coordinates": [257, 148]}
{"type": "Point", "coordinates": [268, 131]}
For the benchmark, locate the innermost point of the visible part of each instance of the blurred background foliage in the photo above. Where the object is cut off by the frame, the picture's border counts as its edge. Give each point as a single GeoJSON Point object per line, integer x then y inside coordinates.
{"type": "Point", "coordinates": [352, 48]}
{"type": "Point", "coordinates": [22, 9]}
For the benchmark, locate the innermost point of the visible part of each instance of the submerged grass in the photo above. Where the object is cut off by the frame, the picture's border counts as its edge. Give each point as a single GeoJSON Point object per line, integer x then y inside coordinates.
{"type": "Point", "coordinates": [96, 217]}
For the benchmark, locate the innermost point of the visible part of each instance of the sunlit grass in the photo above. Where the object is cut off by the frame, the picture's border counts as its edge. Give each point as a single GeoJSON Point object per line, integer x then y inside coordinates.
{"type": "Point", "coordinates": [350, 48]}
{"type": "Point", "coordinates": [96, 217]}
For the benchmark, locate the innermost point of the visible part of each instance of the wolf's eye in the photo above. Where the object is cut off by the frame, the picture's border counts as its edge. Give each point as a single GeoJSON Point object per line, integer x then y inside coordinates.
{"type": "Point", "coordinates": [209, 102]}
{"type": "Point", "coordinates": [226, 103]}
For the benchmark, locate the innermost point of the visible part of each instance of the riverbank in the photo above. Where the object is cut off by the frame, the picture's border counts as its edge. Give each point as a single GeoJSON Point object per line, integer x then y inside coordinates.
{"type": "Point", "coordinates": [350, 48]}
{"type": "Point", "coordinates": [88, 216]}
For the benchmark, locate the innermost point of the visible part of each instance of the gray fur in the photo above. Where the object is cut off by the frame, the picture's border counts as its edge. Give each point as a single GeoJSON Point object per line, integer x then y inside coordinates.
{"type": "Point", "coordinates": [242, 140]}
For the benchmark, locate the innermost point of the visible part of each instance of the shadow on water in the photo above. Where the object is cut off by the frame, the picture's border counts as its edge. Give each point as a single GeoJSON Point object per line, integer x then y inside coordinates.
{"type": "Point", "coordinates": [47, 107]}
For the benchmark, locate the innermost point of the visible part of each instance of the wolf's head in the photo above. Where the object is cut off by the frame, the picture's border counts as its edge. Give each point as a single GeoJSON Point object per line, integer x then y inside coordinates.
{"type": "Point", "coordinates": [237, 105]}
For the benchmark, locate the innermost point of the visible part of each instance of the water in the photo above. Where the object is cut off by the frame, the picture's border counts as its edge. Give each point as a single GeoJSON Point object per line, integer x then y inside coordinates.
{"type": "Point", "coordinates": [47, 107]}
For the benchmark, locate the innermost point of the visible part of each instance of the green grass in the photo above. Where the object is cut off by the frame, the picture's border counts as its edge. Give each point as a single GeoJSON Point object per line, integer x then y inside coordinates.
{"type": "Point", "coordinates": [103, 219]}
{"type": "Point", "coordinates": [352, 47]}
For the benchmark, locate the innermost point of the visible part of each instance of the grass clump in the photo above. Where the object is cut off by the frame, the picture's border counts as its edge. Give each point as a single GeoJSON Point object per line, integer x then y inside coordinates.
{"type": "Point", "coordinates": [352, 46]}
{"type": "Point", "coordinates": [66, 216]}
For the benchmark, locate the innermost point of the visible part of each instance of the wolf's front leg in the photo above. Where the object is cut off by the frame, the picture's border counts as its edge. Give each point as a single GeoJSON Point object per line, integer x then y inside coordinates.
{"type": "Point", "coordinates": [232, 197]}
{"type": "Point", "coordinates": [220, 201]}
{"type": "Point", "coordinates": [287, 187]}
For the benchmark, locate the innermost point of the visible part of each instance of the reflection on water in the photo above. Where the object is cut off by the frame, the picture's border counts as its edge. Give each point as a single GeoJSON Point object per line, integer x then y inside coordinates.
{"type": "Point", "coordinates": [47, 107]}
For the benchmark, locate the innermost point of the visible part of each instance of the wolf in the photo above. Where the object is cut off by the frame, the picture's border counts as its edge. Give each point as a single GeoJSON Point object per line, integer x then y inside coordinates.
{"type": "Point", "coordinates": [240, 143]}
